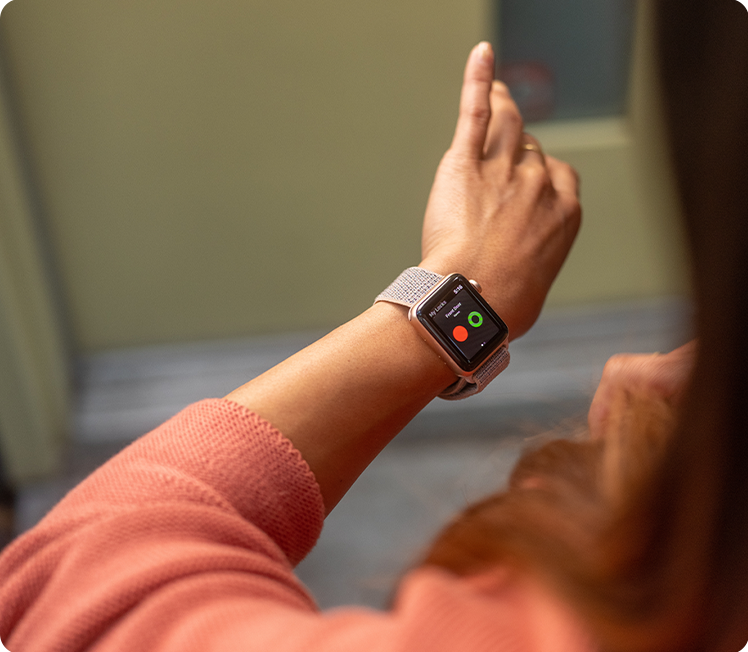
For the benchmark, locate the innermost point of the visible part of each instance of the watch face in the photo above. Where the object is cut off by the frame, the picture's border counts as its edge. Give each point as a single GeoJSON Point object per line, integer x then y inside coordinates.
{"type": "Point", "coordinates": [462, 322]}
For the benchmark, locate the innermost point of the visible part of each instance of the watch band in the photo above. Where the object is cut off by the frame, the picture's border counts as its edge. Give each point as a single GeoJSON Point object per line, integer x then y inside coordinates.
{"type": "Point", "coordinates": [491, 368]}
{"type": "Point", "coordinates": [408, 289]}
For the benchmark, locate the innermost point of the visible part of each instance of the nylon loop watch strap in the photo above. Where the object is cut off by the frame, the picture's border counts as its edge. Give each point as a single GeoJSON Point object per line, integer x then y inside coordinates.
{"type": "Point", "coordinates": [408, 289]}
{"type": "Point", "coordinates": [484, 375]}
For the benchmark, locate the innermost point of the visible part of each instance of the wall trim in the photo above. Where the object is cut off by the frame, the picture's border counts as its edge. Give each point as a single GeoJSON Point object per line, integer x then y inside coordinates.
{"type": "Point", "coordinates": [123, 394]}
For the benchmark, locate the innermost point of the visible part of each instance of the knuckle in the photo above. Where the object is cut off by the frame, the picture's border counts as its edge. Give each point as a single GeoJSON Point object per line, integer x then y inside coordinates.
{"type": "Point", "coordinates": [513, 116]}
{"type": "Point", "coordinates": [573, 210]}
{"type": "Point", "coordinates": [499, 88]}
{"type": "Point", "coordinates": [562, 166]}
{"type": "Point", "coordinates": [616, 365]}
{"type": "Point", "coordinates": [506, 112]}
{"type": "Point", "coordinates": [571, 171]}
{"type": "Point", "coordinates": [535, 175]}
{"type": "Point", "coordinates": [476, 112]}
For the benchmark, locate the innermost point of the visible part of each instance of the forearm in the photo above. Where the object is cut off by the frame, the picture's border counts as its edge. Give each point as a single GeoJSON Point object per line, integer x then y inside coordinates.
{"type": "Point", "coordinates": [498, 213]}
{"type": "Point", "coordinates": [342, 400]}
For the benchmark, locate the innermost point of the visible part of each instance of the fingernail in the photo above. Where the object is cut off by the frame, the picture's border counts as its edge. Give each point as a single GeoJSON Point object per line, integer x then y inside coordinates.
{"type": "Point", "coordinates": [485, 51]}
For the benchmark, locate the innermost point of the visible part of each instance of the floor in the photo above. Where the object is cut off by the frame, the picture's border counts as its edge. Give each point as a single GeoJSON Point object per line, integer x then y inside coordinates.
{"type": "Point", "coordinates": [450, 455]}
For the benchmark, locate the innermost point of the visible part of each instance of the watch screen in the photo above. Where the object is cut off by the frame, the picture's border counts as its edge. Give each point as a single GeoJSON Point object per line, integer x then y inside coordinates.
{"type": "Point", "coordinates": [463, 322]}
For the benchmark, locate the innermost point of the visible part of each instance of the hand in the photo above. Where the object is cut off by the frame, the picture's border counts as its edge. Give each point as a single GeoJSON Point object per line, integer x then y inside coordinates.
{"type": "Point", "coordinates": [498, 213]}
{"type": "Point", "coordinates": [660, 376]}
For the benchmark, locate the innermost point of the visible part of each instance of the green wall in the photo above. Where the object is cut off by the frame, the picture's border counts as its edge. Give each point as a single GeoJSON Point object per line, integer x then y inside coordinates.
{"type": "Point", "coordinates": [219, 169]}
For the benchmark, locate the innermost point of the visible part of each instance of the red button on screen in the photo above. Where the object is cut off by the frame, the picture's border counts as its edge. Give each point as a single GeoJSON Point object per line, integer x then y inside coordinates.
{"type": "Point", "coordinates": [460, 333]}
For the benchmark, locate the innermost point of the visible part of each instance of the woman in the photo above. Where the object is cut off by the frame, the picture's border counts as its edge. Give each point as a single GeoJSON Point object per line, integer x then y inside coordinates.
{"type": "Point", "coordinates": [644, 529]}
{"type": "Point", "coordinates": [187, 539]}
{"type": "Point", "coordinates": [633, 540]}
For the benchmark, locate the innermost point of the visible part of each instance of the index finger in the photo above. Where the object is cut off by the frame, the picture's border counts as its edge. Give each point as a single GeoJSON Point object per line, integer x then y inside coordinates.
{"type": "Point", "coordinates": [475, 108]}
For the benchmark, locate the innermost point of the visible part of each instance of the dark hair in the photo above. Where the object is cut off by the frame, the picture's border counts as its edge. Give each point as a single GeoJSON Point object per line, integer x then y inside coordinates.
{"type": "Point", "coordinates": [704, 63]}
{"type": "Point", "coordinates": [646, 531]}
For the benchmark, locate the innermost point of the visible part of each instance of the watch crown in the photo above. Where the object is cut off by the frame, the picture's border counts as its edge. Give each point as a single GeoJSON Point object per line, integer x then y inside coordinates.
{"type": "Point", "coordinates": [476, 285]}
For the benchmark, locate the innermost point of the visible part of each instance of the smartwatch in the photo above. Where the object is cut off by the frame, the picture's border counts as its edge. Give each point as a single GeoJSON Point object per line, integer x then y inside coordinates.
{"type": "Point", "coordinates": [451, 316]}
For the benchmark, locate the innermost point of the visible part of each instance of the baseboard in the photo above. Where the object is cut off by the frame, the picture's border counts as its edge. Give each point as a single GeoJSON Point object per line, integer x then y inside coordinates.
{"type": "Point", "coordinates": [123, 394]}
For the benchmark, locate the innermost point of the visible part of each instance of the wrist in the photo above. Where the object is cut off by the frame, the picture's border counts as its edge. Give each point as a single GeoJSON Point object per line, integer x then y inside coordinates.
{"type": "Point", "coordinates": [449, 313]}
{"type": "Point", "coordinates": [492, 289]}
{"type": "Point", "coordinates": [448, 264]}
{"type": "Point", "coordinates": [415, 359]}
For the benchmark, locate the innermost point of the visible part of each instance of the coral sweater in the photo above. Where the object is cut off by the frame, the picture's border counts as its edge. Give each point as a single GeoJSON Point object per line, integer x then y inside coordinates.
{"type": "Point", "coordinates": [186, 541]}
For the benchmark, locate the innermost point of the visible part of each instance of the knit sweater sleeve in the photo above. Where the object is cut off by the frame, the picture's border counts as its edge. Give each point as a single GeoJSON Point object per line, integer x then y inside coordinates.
{"type": "Point", "coordinates": [186, 541]}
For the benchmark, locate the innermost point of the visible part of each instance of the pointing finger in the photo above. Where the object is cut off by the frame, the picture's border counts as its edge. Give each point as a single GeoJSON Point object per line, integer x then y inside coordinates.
{"type": "Point", "coordinates": [475, 108]}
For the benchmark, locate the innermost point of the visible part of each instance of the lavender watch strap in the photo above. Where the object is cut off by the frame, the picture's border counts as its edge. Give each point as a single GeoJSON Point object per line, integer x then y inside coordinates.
{"type": "Point", "coordinates": [409, 288]}
{"type": "Point", "coordinates": [492, 368]}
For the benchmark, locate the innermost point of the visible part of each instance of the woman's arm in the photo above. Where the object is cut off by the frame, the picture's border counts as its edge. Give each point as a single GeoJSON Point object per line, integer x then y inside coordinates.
{"type": "Point", "coordinates": [186, 539]}
{"type": "Point", "coordinates": [498, 213]}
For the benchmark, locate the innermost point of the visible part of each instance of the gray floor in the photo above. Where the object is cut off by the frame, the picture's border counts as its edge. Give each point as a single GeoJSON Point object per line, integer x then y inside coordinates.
{"type": "Point", "coordinates": [450, 455]}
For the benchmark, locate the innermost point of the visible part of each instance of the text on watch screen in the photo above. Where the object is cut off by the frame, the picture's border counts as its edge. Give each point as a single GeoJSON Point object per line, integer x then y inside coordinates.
{"type": "Point", "coordinates": [464, 322]}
